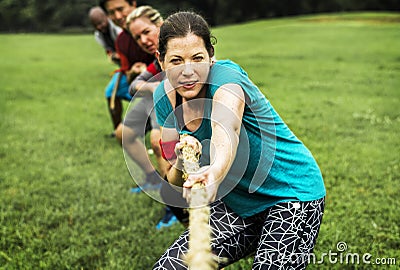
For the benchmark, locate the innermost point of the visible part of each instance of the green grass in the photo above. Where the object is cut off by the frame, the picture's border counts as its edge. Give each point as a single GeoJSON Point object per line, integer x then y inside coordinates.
{"type": "Point", "coordinates": [64, 200]}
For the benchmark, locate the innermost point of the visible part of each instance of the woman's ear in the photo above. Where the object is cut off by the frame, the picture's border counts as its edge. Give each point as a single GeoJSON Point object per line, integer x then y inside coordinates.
{"type": "Point", "coordinates": [159, 60]}
{"type": "Point", "coordinates": [211, 52]}
{"type": "Point", "coordinates": [212, 56]}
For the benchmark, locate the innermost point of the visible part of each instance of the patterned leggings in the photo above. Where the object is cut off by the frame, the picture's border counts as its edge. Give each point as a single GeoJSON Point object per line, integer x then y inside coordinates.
{"type": "Point", "coordinates": [281, 237]}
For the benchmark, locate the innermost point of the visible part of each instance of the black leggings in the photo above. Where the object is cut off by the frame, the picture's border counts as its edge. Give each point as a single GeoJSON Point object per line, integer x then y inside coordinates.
{"type": "Point", "coordinates": [281, 237]}
{"type": "Point", "coordinates": [173, 198]}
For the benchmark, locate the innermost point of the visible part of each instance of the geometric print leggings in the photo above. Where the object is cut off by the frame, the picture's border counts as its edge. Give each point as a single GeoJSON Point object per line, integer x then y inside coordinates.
{"type": "Point", "coordinates": [281, 237]}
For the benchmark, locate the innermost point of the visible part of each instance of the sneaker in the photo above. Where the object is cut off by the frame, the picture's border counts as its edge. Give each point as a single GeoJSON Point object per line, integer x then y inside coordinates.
{"type": "Point", "coordinates": [153, 178]}
{"type": "Point", "coordinates": [145, 187]}
{"type": "Point", "coordinates": [168, 220]}
{"type": "Point", "coordinates": [152, 182]}
{"type": "Point", "coordinates": [110, 136]}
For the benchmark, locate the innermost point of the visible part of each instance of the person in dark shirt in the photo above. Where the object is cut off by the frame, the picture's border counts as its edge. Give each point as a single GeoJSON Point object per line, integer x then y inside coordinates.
{"type": "Point", "coordinates": [106, 32]}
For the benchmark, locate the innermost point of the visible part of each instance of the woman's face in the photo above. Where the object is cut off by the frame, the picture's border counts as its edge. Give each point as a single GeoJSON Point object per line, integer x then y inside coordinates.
{"type": "Point", "coordinates": [145, 33]}
{"type": "Point", "coordinates": [187, 64]}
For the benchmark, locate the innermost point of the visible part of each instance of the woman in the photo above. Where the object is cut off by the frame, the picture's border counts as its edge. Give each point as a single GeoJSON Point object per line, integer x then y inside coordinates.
{"type": "Point", "coordinates": [265, 188]}
{"type": "Point", "coordinates": [141, 118]}
{"type": "Point", "coordinates": [144, 25]}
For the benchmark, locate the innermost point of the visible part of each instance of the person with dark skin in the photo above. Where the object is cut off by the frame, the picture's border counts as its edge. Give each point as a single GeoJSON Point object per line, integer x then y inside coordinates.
{"type": "Point", "coordinates": [106, 32]}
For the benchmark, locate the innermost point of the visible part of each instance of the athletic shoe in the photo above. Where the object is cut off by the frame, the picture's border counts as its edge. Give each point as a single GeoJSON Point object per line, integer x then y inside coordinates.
{"type": "Point", "coordinates": [152, 182]}
{"type": "Point", "coordinates": [110, 136]}
{"type": "Point", "coordinates": [145, 187]}
{"type": "Point", "coordinates": [168, 220]}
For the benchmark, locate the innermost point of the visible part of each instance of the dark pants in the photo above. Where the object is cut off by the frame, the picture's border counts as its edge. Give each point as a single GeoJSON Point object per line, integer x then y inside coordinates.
{"type": "Point", "coordinates": [281, 237]}
{"type": "Point", "coordinates": [173, 198]}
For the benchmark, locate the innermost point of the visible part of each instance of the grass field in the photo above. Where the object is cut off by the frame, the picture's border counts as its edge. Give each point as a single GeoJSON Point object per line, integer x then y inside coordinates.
{"type": "Point", "coordinates": [64, 187]}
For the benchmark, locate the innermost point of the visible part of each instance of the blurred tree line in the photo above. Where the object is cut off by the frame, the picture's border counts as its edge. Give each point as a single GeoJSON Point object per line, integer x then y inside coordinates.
{"type": "Point", "coordinates": [58, 15]}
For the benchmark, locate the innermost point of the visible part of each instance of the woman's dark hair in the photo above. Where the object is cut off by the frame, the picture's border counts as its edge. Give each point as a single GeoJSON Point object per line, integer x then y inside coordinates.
{"type": "Point", "coordinates": [181, 24]}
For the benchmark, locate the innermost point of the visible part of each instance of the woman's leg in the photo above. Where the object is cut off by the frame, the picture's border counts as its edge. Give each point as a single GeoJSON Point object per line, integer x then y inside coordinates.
{"type": "Point", "coordinates": [233, 239]}
{"type": "Point", "coordinates": [288, 235]}
{"type": "Point", "coordinates": [136, 150]}
{"type": "Point", "coordinates": [122, 93]}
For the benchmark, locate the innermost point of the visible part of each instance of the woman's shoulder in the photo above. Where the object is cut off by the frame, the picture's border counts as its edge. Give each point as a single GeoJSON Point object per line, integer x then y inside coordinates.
{"type": "Point", "coordinates": [227, 67]}
{"type": "Point", "coordinates": [226, 63]}
{"type": "Point", "coordinates": [159, 93]}
{"type": "Point", "coordinates": [226, 71]}
{"type": "Point", "coordinates": [163, 92]}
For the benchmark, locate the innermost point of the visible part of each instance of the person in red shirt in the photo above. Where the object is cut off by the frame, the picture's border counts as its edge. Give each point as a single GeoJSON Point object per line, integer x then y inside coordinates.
{"type": "Point", "coordinates": [133, 60]}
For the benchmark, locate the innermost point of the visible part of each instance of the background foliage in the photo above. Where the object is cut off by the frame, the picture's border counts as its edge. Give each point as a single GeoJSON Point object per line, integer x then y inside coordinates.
{"type": "Point", "coordinates": [64, 187]}
{"type": "Point", "coordinates": [71, 15]}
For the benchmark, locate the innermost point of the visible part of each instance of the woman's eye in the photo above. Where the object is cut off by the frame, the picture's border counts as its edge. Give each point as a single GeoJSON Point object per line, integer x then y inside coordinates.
{"type": "Point", "coordinates": [175, 61]}
{"type": "Point", "coordinates": [198, 58]}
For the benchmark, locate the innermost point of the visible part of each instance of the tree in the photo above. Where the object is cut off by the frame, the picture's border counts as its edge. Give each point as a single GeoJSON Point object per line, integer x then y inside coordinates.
{"type": "Point", "coordinates": [56, 15]}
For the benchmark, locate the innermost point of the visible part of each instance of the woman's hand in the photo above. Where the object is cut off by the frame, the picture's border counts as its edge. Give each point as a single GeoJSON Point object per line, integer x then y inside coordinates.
{"type": "Point", "coordinates": [206, 177]}
{"type": "Point", "coordinates": [138, 68]}
{"type": "Point", "coordinates": [188, 141]}
{"type": "Point", "coordinates": [135, 70]}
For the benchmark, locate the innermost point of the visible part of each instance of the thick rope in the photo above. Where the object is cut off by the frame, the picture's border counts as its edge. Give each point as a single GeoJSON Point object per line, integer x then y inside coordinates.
{"type": "Point", "coordinates": [199, 256]}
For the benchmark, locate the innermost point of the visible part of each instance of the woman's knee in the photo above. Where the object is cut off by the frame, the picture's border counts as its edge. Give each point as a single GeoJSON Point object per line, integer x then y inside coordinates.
{"type": "Point", "coordinates": [128, 135]}
{"type": "Point", "coordinates": [155, 136]}
{"type": "Point", "coordinates": [173, 257]}
{"type": "Point", "coordinates": [118, 133]}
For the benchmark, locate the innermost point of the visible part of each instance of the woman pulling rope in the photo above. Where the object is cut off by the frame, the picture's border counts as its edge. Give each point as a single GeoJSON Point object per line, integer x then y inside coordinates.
{"type": "Point", "coordinates": [264, 187]}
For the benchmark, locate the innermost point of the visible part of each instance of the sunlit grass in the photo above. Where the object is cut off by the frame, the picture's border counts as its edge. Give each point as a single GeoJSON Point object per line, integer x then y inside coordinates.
{"type": "Point", "coordinates": [64, 187]}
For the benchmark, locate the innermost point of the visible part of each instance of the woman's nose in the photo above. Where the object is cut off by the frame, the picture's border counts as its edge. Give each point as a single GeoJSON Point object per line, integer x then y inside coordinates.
{"type": "Point", "coordinates": [143, 39]}
{"type": "Point", "coordinates": [187, 69]}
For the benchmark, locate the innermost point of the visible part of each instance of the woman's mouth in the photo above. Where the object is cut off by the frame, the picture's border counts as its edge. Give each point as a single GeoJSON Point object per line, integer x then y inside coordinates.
{"type": "Point", "coordinates": [188, 85]}
{"type": "Point", "coordinates": [151, 49]}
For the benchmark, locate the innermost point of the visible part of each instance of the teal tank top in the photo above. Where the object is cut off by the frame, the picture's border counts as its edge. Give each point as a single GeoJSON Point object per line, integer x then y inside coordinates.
{"type": "Point", "coordinates": [271, 165]}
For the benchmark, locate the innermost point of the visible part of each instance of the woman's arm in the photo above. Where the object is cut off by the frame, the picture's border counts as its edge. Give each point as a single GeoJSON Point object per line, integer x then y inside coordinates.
{"type": "Point", "coordinates": [226, 120]}
{"type": "Point", "coordinates": [174, 167]}
{"type": "Point", "coordinates": [141, 83]}
{"type": "Point", "coordinates": [135, 70]}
